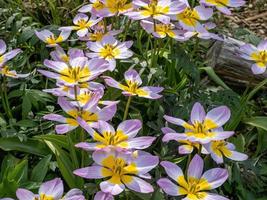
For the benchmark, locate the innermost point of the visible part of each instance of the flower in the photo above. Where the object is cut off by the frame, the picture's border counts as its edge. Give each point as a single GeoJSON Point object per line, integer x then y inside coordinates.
{"type": "Point", "coordinates": [50, 190]}
{"type": "Point", "coordinates": [123, 137]}
{"type": "Point", "coordinates": [203, 127]}
{"type": "Point", "coordinates": [90, 113]}
{"type": "Point", "coordinates": [220, 148]}
{"type": "Point", "coordinates": [7, 56]}
{"type": "Point", "coordinates": [122, 169]}
{"type": "Point", "coordinates": [256, 54]}
{"type": "Point", "coordinates": [222, 5]}
{"type": "Point", "coordinates": [190, 18]}
{"type": "Point", "coordinates": [133, 88]}
{"type": "Point", "coordinates": [160, 10]}
{"type": "Point", "coordinates": [162, 30]}
{"type": "Point", "coordinates": [110, 49]}
{"type": "Point", "coordinates": [103, 196]}
{"type": "Point", "coordinates": [195, 185]}
{"type": "Point", "coordinates": [50, 39]}
{"type": "Point", "coordinates": [80, 70]}
{"type": "Point", "coordinates": [94, 8]}
{"type": "Point", "coordinates": [81, 24]}
{"type": "Point", "coordinates": [115, 7]}
{"type": "Point", "coordinates": [99, 32]}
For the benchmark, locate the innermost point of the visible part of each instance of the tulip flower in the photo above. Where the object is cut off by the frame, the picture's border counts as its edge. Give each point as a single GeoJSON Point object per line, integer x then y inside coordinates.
{"type": "Point", "coordinates": [256, 54]}
{"type": "Point", "coordinates": [203, 127]}
{"type": "Point", "coordinates": [50, 39]}
{"type": "Point", "coordinates": [123, 137]}
{"type": "Point", "coordinates": [81, 24]}
{"type": "Point", "coordinates": [4, 57]}
{"type": "Point", "coordinates": [133, 81]}
{"type": "Point", "coordinates": [160, 10]}
{"type": "Point", "coordinates": [90, 113]}
{"type": "Point", "coordinates": [110, 49]}
{"type": "Point", "coordinates": [218, 149]}
{"type": "Point", "coordinates": [50, 190]}
{"type": "Point", "coordinates": [191, 17]}
{"type": "Point", "coordinates": [222, 5]}
{"type": "Point", "coordinates": [120, 169]}
{"type": "Point", "coordinates": [80, 70]}
{"type": "Point", "coordinates": [195, 185]}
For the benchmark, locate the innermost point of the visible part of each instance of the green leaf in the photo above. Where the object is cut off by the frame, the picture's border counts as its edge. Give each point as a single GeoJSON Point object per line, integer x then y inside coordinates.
{"type": "Point", "coordinates": [19, 173]}
{"type": "Point", "coordinates": [215, 77]}
{"type": "Point", "coordinates": [30, 146]}
{"type": "Point", "coordinates": [259, 122]}
{"type": "Point", "coordinates": [26, 105]}
{"type": "Point", "coordinates": [26, 123]}
{"type": "Point", "coordinates": [40, 170]}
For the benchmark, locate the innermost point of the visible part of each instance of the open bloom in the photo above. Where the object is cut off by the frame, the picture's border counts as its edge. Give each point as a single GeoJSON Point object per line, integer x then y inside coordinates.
{"type": "Point", "coordinates": [90, 113]}
{"type": "Point", "coordinates": [256, 54]}
{"type": "Point", "coordinates": [122, 169]}
{"type": "Point", "coordinates": [50, 190]}
{"type": "Point", "coordinates": [4, 58]}
{"type": "Point", "coordinates": [190, 17]}
{"type": "Point", "coordinates": [123, 137]}
{"type": "Point", "coordinates": [94, 7]}
{"type": "Point", "coordinates": [203, 127]}
{"type": "Point", "coordinates": [81, 24]}
{"type": "Point", "coordinates": [99, 31]}
{"type": "Point", "coordinates": [133, 88]}
{"type": "Point", "coordinates": [160, 10]}
{"type": "Point", "coordinates": [222, 5]}
{"type": "Point", "coordinates": [195, 185]}
{"type": "Point", "coordinates": [50, 39]}
{"type": "Point", "coordinates": [220, 148]}
{"type": "Point", "coordinates": [79, 70]}
{"type": "Point", "coordinates": [162, 30]}
{"type": "Point", "coordinates": [110, 49]}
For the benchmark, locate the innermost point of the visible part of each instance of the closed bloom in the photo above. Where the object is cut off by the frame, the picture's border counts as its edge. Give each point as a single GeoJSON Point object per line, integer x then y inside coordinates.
{"type": "Point", "coordinates": [256, 54]}
{"type": "Point", "coordinates": [222, 5]}
{"type": "Point", "coordinates": [203, 127]}
{"type": "Point", "coordinates": [90, 113]}
{"type": "Point", "coordinates": [133, 81]}
{"type": "Point", "coordinates": [160, 10]}
{"type": "Point", "coordinates": [79, 70]}
{"type": "Point", "coordinates": [121, 169]}
{"type": "Point", "coordinates": [162, 30]}
{"type": "Point", "coordinates": [123, 137]}
{"type": "Point", "coordinates": [195, 185]}
{"type": "Point", "coordinates": [110, 49]}
{"type": "Point", "coordinates": [219, 149]}
{"type": "Point", "coordinates": [50, 39]}
{"type": "Point", "coordinates": [50, 190]}
{"type": "Point", "coordinates": [81, 24]}
{"type": "Point", "coordinates": [190, 17]}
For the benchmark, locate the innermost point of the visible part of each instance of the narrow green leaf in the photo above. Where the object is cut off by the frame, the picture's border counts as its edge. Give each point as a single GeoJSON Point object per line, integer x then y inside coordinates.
{"type": "Point", "coordinates": [259, 122]}
{"type": "Point", "coordinates": [40, 170]}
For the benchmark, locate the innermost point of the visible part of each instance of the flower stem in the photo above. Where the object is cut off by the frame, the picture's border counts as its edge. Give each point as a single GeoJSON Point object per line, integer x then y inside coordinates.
{"type": "Point", "coordinates": [127, 108]}
{"type": "Point", "coordinates": [5, 99]}
{"type": "Point", "coordinates": [188, 162]}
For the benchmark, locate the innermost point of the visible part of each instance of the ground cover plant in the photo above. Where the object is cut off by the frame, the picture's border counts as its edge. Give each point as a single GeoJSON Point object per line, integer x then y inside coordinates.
{"type": "Point", "coordinates": [115, 99]}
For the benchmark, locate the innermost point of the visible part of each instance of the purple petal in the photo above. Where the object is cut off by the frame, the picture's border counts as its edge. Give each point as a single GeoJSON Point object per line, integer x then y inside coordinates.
{"type": "Point", "coordinates": [217, 117]}
{"type": "Point", "coordinates": [261, 47]}
{"type": "Point", "coordinates": [198, 113]}
{"type": "Point", "coordinates": [140, 142]}
{"type": "Point", "coordinates": [195, 168]}
{"type": "Point", "coordinates": [74, 194]}
{"type": "Point", "coordinates": [172, 170]}
{"type": "Point", "coordinates": [52, 188]}
{"type": "Point", "coordinates": [234, 155]}
{"type": "Point", "coordinates": [111, 188]}
{"type": "Point", "coordinates": [87, 146]}
{"type": "Point", "coordinates": [132, 76]}
{"type": "Point", "coordinates": [55, 117]}
{"type": "Point", "coordinates": [258, 69]}
{"type": "Point", "coordinates": [93, 172]}
{"type": "Point", "coordinates": [137, 184]}
{"type": "Point", "coordinates": [215, 177]}
{"type": "Point", "coordinates": [103, 196]}
{"type": "Point", "coordinates": [130, 127]}
{"type": "Point", "coordinates": [168, 187]}
{"type": "Point", "coordinates": [23, 194]}
{"type": "Point", "coordinates": [2, 47]}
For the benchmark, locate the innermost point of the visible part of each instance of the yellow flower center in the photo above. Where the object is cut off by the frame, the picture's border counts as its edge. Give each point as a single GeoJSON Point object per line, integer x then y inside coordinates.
{"type": "Point", "coordinates": [82, 24]}
{"type": "Point", "coordinates": [98, 5]}
{"type": "Point", "coordinates": [75, 74]}
{"type": "Point", "coordinates": [118, 139]}
{"type": "Point", "coordinates": [109, 51]}
{"type": "Point", "coordinates": [51, 39]}
{"type": "Point", "coordinates": [46, 197]}
{"type": "Point", "coordinates": [219, 147]}
{"type": "Point", "coordinates": [219, 2]}
{"type": "Point", "coordinates": [163, 28]}
{"type": "Point", "coordinates": [5, 71]}
{"type": "Point", "coordinates": [97, 36]}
